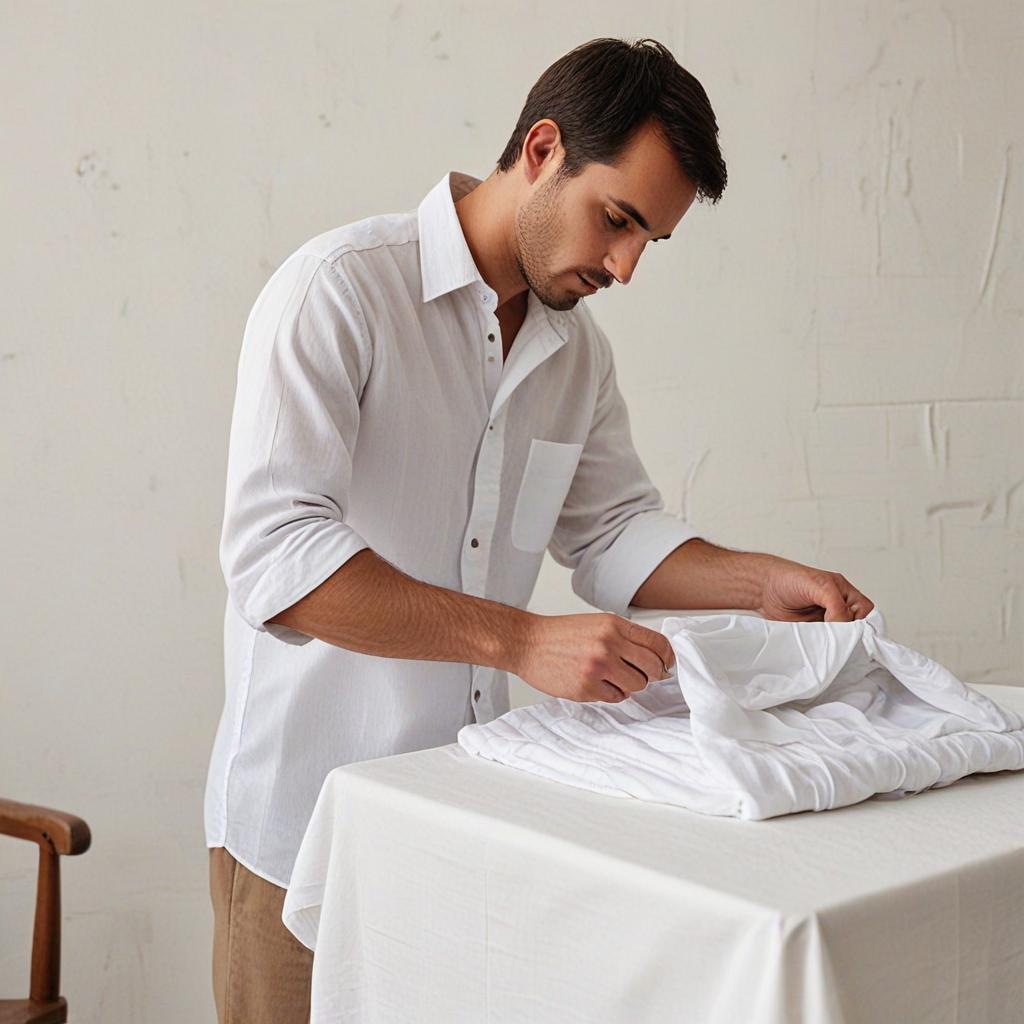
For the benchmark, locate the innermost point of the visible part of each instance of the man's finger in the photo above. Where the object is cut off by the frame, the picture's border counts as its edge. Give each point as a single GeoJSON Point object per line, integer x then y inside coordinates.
{"type": "Point", "coordinates": [831, 599]}
{"type": "Point", "coordinates": [859, 605]}
{"type": "Point", "coordinates": [654, 641]}
{"type": "Point", "coordinates": [644, 659]}
{"type": "Point", "coordinates": [612, 693]}
{"type": "Point", "coordinates": [637, 676]}
{"type": "Point", "coordinates": [626, 677]}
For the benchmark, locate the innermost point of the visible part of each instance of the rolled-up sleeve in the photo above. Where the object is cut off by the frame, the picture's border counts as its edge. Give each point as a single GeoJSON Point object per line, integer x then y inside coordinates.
{"type": "Point", "coordinates": [613, 530]}
{"type": "Point", "coordinates": [304, 361]}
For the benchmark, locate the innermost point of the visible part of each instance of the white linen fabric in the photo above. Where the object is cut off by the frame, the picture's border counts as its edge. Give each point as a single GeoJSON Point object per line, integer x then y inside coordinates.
{"type": "Point", "coordinates": [439, 886]}
{"type": "Point", "coordinates": [374, 409]}
{"type": "Point", "coordinates": [764, 718]}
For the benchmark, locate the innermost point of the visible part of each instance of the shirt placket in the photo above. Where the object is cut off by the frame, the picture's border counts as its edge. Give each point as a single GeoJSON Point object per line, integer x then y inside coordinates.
{"type": "Point", "coordinates": [478, 539]}
{"type": "Point", "coordinates": [493, 359]}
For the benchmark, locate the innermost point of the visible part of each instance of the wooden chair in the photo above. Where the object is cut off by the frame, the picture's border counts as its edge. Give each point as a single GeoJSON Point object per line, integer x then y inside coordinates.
{"type": "Point", "coordinates": [56, 833]}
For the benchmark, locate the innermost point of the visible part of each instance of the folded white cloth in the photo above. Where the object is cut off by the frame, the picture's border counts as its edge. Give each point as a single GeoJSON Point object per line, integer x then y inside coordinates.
{"type": "Point", "coordinates": [764, 718]}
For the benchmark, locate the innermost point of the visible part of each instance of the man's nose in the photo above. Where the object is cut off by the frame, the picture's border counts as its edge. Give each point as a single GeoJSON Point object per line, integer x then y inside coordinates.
{"type": "Point", "coordinates": [622, 261]}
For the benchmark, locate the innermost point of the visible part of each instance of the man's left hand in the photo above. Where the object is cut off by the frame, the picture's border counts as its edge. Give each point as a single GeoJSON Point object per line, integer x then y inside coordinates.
{"type": "Point", "coordinates": [799, 593]}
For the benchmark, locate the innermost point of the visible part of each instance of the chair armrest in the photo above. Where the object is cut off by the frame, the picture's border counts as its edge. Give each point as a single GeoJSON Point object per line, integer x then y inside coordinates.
{"type": "Point", "coordinates": [62, 833]}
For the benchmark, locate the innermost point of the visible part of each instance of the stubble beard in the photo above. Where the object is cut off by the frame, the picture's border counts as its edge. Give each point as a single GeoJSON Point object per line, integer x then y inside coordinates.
{"type": "Point", "coordinates": [538, 228]}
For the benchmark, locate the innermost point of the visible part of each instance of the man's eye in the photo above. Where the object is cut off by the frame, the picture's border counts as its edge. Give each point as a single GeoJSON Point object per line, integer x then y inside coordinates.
{"type": "Point", "coordinates": [614, 223]}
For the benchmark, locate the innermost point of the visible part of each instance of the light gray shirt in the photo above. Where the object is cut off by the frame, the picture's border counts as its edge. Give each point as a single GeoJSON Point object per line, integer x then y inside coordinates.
{"type": "Point", "coordinates": [374, 409]}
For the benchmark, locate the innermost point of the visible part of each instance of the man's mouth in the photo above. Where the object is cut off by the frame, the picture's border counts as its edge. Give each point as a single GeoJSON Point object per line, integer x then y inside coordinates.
{"type": "Point", "coordinates": [589, 284]}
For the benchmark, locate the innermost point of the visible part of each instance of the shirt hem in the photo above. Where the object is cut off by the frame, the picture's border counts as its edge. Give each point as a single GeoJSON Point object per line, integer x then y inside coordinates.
{"type": "Point", "coordinates": [249, 867]}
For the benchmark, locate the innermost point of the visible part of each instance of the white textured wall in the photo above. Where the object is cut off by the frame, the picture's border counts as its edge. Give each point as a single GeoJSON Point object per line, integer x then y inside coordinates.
{"type": "Point", "coordinates": [828, 365]}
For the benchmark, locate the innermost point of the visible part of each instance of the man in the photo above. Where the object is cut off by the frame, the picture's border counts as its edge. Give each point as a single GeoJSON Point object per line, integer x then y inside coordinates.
{"type": "Point", "coordinates": [424, 407]}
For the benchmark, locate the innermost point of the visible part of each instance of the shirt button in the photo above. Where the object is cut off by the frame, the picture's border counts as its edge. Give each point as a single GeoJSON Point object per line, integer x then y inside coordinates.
{"type": "Point", "coordinates": [490, 359]}
{"type": "Point", "coordinates": [490, 426]}
{"type": "Point", "coordinates": [476, 695]}
{"type": "Point", "coordinates": [490, 337]}
{"type": "Point", "coordinates": [474, 543]}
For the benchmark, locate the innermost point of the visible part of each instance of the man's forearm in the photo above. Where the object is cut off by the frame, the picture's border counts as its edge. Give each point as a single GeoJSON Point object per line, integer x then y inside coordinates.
{"type": "Point", "coordinates": [700, 575]}
{"type": "Point", "coordinates": [371, 607]}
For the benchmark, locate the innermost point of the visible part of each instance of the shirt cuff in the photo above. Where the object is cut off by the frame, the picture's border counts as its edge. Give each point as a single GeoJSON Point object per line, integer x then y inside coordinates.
{"type": "Point", "coordinates": [647, 540]}
{"type": "Point", "coordinates": [293, 578]}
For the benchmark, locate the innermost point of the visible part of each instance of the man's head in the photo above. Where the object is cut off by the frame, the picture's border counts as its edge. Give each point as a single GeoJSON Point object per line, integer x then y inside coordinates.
{"type": "Point", "coordinates": [613, 145]}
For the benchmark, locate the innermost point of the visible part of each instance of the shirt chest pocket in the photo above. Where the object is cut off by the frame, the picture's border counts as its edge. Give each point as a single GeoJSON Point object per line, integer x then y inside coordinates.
{"type": "Point", "coordinates": [550, 467]}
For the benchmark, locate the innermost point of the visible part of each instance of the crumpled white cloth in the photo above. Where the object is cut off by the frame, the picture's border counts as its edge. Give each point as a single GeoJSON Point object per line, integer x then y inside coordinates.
{"type": "Point", "coordinates": [763, 718]}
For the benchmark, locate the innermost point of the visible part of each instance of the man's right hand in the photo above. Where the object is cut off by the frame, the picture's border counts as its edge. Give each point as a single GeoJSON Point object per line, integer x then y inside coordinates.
{"type": "Point", "coordinates": [592, 656]}
{"type": "Point", "coordinates": [596, 656]}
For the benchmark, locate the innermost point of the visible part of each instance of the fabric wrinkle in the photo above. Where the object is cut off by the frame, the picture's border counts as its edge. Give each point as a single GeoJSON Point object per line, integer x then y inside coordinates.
{"type": "Point", "coordinates": [740, 736]}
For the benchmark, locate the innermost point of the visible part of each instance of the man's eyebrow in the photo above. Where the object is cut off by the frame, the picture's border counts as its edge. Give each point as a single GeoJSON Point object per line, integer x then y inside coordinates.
{"type": "Point", "coordinates": [635, 214]}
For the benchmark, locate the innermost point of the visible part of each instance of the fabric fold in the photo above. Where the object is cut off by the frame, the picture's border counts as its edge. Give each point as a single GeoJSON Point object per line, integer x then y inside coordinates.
{"type": "Point", "coordinates": [763, 718]}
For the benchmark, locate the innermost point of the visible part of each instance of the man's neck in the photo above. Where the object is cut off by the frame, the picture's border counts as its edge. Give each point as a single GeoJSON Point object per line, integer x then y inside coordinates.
{"type": "Point", "coordinates": [487, 218]}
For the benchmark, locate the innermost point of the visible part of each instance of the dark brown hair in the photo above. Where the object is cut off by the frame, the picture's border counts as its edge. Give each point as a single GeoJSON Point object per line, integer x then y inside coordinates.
{"type": "Point", "coordinates": [600, 93]}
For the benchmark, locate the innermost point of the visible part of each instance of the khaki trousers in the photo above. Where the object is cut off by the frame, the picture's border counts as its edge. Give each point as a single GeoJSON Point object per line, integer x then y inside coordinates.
{"type": "Point", "coordinates": [261, 972]}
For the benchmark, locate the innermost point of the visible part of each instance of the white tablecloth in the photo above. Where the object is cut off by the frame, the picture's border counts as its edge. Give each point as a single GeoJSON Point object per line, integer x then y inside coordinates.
{"type": "Point", "coordinates": [439, 887]}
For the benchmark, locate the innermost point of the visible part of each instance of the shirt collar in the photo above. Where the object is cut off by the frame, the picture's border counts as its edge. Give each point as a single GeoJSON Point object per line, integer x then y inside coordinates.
{"type": "Point", "coordinates": [445, 260]}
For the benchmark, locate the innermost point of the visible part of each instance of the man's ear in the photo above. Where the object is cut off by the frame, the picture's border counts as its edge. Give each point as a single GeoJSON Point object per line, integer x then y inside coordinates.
{"type": "Point", "coordinates": [542, 145]}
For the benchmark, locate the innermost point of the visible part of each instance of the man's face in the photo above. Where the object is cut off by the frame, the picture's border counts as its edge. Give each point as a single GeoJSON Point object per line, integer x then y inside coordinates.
{"type": "Point", "coordinates": [593, 224]}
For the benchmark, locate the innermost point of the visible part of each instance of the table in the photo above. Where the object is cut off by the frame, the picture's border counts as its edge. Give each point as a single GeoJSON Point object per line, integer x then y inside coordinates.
{"type": "Point", "coordinates": [438, 887]}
